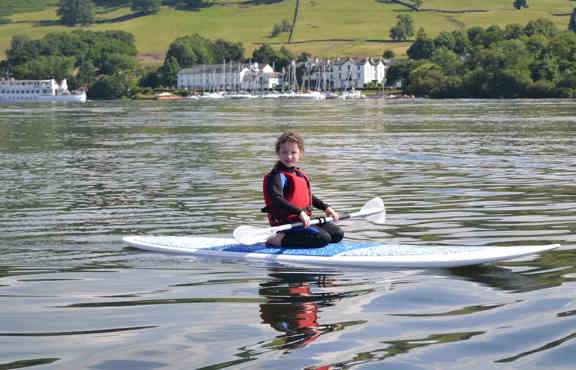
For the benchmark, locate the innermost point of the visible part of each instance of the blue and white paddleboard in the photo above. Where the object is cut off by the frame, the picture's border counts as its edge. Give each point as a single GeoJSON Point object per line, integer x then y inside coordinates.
{"type": "Point", "coordinates": [357, 254]}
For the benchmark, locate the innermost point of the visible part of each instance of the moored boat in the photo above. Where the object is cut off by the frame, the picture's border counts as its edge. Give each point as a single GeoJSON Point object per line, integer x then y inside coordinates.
{"type": "Point", "coordinates": [313, 95]}
{"type": "Point", "coordinates": [12, 90]}
{"type": "Point", "coordinates": [240, 96]}
{"type": "Point", "coordinates": [168, 96]}
{"type": "Point", "coordinates": [212, 95]}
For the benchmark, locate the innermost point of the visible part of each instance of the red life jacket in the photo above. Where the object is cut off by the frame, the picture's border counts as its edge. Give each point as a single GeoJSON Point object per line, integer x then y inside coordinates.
{"type": "Point", "coordinates": [299, 195]}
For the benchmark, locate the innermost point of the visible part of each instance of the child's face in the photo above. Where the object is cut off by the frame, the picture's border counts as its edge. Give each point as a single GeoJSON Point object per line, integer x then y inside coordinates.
{"type": "Point", "coordinates": [289, 154]}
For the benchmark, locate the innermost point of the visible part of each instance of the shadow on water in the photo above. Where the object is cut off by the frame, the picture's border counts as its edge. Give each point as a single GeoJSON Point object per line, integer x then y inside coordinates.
{"type": "Point", "coordinates": [27, 363]}
{"type": "Point", "coordinates": [551, 269]}
{"type": "Point", "coordinates": [293, 306]}
{"type": "Point", "coordinates": [293, 303]}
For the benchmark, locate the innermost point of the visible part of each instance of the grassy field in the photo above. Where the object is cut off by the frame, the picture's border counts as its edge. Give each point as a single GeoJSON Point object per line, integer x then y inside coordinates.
{"type": "Point", "coordinates": [324, 27]}
{"type": "Point", "coordinates": [9, 7]}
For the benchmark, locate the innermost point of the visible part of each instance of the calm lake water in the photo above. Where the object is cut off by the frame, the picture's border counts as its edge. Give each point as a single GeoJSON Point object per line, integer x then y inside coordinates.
{"type": "Point", "coordinates": [74, 179]}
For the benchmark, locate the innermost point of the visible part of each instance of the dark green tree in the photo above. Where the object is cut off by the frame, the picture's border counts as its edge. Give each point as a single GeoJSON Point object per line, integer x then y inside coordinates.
{"type": "Point", "coordinates": [116, 63]}
{"type": "Point", "coordinates": [388, 54]}
{"type": "Point", "coordinates": [519, 4]}
{"type": "Point", "coordinates": [21, 50]}
{"type": "Point", "coordinates": [264, 54]}
{"type": "Point", "coordinates": [541, 26]}
{"type": "Point", "coordinates": [424, 78]}
{"type": "Point", "coordinates": [283, 58]}
{"type": "Point", "coordinates": [422, 48]}
{"type": "Point", "coordinates": [445, 40]}
{"type": "Point", "coordinates": [492, 35]}
{"type": "Point", "coordinates": [228, 51]}
{"type": "Point", "coordinates": [568, 80]}
{"type": "Point", "coordinates": [279, 28]}
{"type": "Point", "coordinates": [513, 31]}
{"type": "Point", "coordinates": [547, 69]}
{"type": "Point", "coordinates": [303, 57]}
{"type": "Point", "coordinates": [541, 89]}
{"type": "Point", "coordinates": [76, 12]}
{"type": "Point", "coordinates": [146, 6]}
{"type": "Point", "coordinates": [510, 83]}
{"type": "Point", "coordinates": [461, 43]}
{"type": "Point", "coordinates": [43, 67]}
{"type": "Point", "coordinates": [191, 50]}
{"type": "Point", "coordinates": [399, 73]}
{"type": "Point", "coordinates": [563, 47]}
{"type": "Point", "coordinates": [109, 87]}
{"type": "Point", "coordinates": [87, 73]}
{"type": "Point", "coordinates": [476, 35]}
{"type": "Point", "coordinates": [151, 79]}
{"type": "Point", "coordinates": [169, 72]}
{"type": "Point", "coordinates": [19, 41]}
{"type": "Point", "coordinates": [404, 29]}
{"type": "Point", "coordinates": [449, 61]}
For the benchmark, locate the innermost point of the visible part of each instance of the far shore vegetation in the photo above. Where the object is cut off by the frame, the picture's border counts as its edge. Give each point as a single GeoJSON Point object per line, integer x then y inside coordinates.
{"type": "Point", "coordinates": [535, 59]}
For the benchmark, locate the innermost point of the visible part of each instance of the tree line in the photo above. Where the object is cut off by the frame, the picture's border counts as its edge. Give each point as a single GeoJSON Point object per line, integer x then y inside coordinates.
{"type": "Point", "coordinates": [537, 60]}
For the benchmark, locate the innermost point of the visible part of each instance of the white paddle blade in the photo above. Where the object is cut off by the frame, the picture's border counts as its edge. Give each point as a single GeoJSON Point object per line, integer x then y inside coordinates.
{"type": "Point", "coordinates": [375, 211]}
{"type": "Point", "coordinates": [378, 218]}
{"type": "Point", "coordinates": [250, 235]}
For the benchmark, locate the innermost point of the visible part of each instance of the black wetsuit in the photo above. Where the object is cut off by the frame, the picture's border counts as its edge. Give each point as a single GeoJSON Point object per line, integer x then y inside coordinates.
{"type": "Point", "coordinates": [311, 237]}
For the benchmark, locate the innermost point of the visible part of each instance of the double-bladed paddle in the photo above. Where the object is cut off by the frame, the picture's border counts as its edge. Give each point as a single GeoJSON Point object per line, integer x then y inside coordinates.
{"type": "Point", "coordinates": [373, 211]}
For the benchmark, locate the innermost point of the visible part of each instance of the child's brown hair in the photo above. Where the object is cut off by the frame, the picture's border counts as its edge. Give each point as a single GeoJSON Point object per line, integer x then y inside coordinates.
{"type": "Point", "coordinates": [290, 137]}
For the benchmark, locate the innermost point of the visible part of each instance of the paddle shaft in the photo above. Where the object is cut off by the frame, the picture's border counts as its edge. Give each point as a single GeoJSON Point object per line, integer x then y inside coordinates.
{"type": "Point", "coordinates": [317, 221]}
{"type": "Point", "coordinates": [314, 221]}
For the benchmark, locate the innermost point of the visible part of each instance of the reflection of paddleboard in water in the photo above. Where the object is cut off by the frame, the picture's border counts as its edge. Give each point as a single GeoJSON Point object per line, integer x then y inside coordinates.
{"type": "Point", "coordinates": [358, 254]}
{"type": "Point", "coordinates": [292, 308]}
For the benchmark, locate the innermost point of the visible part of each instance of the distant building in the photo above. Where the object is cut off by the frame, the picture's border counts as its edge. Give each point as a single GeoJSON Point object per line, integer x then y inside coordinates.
{"type": "Point", "coordinates": [345, 73]}
{"type": "Point", "coordinates": [229, 77]}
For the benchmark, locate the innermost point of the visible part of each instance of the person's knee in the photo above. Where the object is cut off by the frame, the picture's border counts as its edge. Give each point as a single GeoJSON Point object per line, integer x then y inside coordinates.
{"type": "Point", "coordinates": [322, 239]}
{"type": "Point", "coordinates": [337, 235]}
{"type": "Point", "coordinates": [335, 232]}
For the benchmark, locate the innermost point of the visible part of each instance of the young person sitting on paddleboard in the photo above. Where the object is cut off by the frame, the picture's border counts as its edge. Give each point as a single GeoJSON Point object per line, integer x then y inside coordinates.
{"type": "Point", "coordinates": [289, 199]}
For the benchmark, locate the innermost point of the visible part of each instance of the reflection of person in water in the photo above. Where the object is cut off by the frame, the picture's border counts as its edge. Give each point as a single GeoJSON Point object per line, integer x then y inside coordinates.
{"type": "Point", "coordinates": [292, 308]}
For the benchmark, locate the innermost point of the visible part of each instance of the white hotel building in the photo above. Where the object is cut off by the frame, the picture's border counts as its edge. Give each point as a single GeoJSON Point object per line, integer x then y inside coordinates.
{"type": "Point", "coordinates": [229, 77]}
{"type": "Point", "coordinates": [345, 73]}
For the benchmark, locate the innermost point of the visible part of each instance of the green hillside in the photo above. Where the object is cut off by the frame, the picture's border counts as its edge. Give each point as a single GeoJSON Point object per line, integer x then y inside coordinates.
{"type": "Point", "coordinates": [323, 27]}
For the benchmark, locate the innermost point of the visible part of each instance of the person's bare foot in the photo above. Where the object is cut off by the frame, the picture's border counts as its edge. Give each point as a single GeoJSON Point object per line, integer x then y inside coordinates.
{"type": "Point", "coordinates": [275, 240]}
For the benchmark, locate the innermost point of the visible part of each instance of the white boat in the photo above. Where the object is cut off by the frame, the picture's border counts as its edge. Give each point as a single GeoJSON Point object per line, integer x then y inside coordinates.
{"type": "Point", "coordinates": [354, 94]}
{"type": "Point", "coordinates": [12, 90]}
{"type": "Point", "coordinates": [313, 95]}
{"type": "Point", "coordinates": [213, 95]}
{"type": "Point", "coordinates": [240, 96]}
{"type": "Point", "coordinates": [271, 96]}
